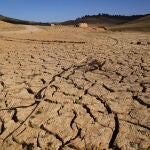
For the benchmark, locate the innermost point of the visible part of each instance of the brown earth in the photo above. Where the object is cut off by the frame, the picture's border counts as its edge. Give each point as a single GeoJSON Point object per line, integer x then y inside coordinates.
{"type": "Point", "coordinates": [72, 88]}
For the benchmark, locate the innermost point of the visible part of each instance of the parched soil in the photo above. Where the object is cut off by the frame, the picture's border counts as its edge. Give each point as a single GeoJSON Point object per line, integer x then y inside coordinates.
{"type": "Point", "coordinates": [68, 88]}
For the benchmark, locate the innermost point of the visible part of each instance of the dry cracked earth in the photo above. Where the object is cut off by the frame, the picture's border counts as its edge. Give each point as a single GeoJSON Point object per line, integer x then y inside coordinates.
{"type": "Point", "coordinates": [68, 88]}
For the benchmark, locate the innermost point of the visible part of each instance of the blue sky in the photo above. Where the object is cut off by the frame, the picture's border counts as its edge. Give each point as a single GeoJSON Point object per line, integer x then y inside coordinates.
{"type": "Point", "coordinates": [61, 10]}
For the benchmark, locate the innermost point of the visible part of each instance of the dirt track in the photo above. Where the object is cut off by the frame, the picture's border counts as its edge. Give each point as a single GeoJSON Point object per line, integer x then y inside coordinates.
{"type": "Point", "coordinates": [69, 88]}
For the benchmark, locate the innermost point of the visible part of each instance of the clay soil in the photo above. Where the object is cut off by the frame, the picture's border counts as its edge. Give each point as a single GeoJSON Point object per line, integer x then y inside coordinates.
{"type": "Point", "coordinates": [67, 88]}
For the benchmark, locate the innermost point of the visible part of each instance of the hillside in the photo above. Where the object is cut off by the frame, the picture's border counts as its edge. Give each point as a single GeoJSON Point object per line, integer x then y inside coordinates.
{"type": "Point", "coordinates": [4, 26]}
{"type": "Point", "coordinates": [112, 22]}
{"type": "Point", "coordinates": [141, 24]}
{"type": "Point", "coordinates": [104, 19]}
{"type": "Point", "coordinates": [18, 21]}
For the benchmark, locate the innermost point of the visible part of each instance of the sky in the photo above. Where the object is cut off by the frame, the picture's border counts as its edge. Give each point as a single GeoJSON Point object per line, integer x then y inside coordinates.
{"type": "Point", "coordinates": [62, 10]}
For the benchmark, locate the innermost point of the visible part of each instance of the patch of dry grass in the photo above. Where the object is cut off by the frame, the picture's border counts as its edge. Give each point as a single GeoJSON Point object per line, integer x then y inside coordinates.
{"type": "Point", "coordinates": [142, 25]}
{"type": "Point", "coordinates": [10, 27]}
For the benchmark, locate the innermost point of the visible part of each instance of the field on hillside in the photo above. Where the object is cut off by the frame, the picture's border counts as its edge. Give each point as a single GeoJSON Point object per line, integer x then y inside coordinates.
{"type": "Point", "coordinates": [66, 88]}
{"type": "Point", "coordinates": [142, 24]}
{"type": "Point", "coordinates": [10, 27]}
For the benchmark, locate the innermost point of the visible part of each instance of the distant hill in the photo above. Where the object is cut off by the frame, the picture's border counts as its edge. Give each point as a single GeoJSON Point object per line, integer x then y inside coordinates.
{"type": "Point", "coordinates": [112, 22]}
{"type": "Point", "coordinates": [104, 19]}
{"type": "Point", "coordinates": [140, 24]}
{"type": "Point", "coordinates": [18, 21]}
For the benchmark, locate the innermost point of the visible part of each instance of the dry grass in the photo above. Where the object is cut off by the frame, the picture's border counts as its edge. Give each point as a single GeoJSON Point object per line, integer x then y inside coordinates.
{"type": "Point", "coordinates": [142, 25]}
{"type": "Point", "coordinates": [10, 27]}
{"type": "Point", "coordinates": [44, 27]}
{"type": "Point", "coordinates": [141, 28]}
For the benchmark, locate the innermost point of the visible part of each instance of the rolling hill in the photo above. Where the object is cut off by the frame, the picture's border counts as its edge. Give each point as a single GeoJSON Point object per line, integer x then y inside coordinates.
{"type": "Point", "coordinates": [112, 22]}
{"type": "Point", "coordinates": [104, 19]}
{"type": "Point", "coordinates": [18, 21]}
{"type": "Point", "coordinates": [141, 24]}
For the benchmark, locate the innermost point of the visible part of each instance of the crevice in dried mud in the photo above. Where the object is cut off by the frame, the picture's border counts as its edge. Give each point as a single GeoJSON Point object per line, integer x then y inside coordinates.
{"type": "Point", "coordinates": [6, 104]}
{"type": "Point", "coordinates": [22, 123]}
{"type": "Point", "coordinates": [86, 92]}
{"type": "Point", "coordinates": [94, 65]}
{"type": "Point", "coordinates": [115, 132]}
{"type": "Point", "coordinates": [107, 107]}
{"type": "Point", "coordinates": [55, 89]}
{"type": "Point", "coordinates": [59, 138]}
{"type": "Point", "coordinates": [74, 118]}
{"type": "Point", "coordinates": [72, 73]}
{"type": "Point", "coordinates": [69, 141]}
{"type": "Point", "coordinates": [2, 84]}
{"type": "Point", "coordinates": [67, 94]}
{"type": "Point", "coordinates": [51, 133]}
{"type": "Point", "coordinates": [122, 78]}
{"type": "Point", "coordinates": [59, 74]}
{"type": "Point", "coordinates": [14, 140]}
{"type": "Point", "coordinates": [14, 117]}
{"type": "Point", "coordinates": [144, 89]}
{"type": "Point", "coordinates": [40, 94]}
{"type": "Point", "coordinates": [86, 79]}
{"type": "Point", "coordinates": [2, 127]}
{"type": "Point", "coordinates": [21, 132]}
{"type": "Point", "coordinates": [38, 142]}
{"type": "Point", "coordinates": [136, 124]}
{"type": "Point", "coordinates": [89, 112]}
{"type": "Point", "coordinates": [141, 101]}
{"type": "Point", "coordinates": [107, 88]}
{"type": "Point", "coordinates": [30, 91]}
{"type": "Point", "coordinates": [105, 104]}
{"type": "Point", "coordinates": [50, 101]}
{"type": "Point", "coordinates": [58, 111]}
{"type": "Point", "coordinates": [13, 108]}
{"type": "Point", "coordinates": [75, 85]}
{"type": "Point", "coordinates": [43, 81]}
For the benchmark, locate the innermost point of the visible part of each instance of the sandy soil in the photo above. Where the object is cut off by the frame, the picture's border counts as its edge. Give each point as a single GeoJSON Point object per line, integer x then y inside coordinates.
{"type": "Point", "coordinates": [70, 88]}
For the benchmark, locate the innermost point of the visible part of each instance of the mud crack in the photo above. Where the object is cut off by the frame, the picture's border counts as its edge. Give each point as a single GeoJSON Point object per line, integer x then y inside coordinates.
{"type": "Point", "coordinates": [22, 123]}
{"type": "Point", "coordinates": [107, 88]}
{"type": "Point", "coordinates": [115, 133]}
{"type": "Point", "coordinates": [51, 133]}
{"type": "Point", "coordinates": [141, 101]}
{"type": "Point", "coordinates": [89, 112]}
{"type": "Point", "coordinates": [2, 127]}
{"type": "Point", "coordinates": [14, 117]}
{"type": "Point", "coordinates": [73, 120]}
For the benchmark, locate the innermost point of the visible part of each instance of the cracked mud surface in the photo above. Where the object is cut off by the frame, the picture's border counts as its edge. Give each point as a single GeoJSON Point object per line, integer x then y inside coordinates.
{"type": "Point", "coordinates": [71, 88]}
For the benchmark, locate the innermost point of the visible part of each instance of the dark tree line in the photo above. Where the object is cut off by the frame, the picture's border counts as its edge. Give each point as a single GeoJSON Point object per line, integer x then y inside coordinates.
{"type": "Point", "coordinates": [112, 16]}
